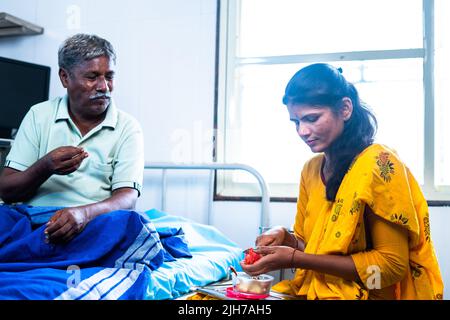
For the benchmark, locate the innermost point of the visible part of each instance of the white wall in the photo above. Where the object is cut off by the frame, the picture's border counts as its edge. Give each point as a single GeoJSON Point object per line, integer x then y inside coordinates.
{"type": "Point", "coordinates": [440, 225]}
{"type": "Point", "coordinates": [165, 78]}
{"type": "Point", "coordinates": [165, 64]}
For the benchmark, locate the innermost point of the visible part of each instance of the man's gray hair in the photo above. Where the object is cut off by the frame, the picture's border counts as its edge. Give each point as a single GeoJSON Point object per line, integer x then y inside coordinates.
{"type": "Point", "coordinates": [83, 47]}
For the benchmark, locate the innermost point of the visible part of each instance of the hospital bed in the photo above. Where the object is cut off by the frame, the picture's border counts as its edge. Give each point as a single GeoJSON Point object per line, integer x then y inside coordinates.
{"type": "Point", "coordinates": [213, 253]}
{"type": "Point", "coordinates": [119, 255]}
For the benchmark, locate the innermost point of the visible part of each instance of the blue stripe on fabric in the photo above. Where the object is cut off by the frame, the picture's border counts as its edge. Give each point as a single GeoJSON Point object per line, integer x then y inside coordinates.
{"type": "Point", "coordinates": [138, 248]}
{"type": "Point", "coordinates": [112, 288]}
{"type": "Point", "coordinates": [143, 258]}
{"type": "Point", "coordinates": [84, 294]}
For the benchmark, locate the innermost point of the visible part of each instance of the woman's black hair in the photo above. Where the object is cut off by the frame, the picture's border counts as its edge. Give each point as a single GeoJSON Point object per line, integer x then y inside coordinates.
{"type": "Point", "coordinates": [323, 85]}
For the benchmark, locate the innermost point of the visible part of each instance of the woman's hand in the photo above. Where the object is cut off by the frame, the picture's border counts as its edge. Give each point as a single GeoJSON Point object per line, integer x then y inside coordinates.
{"type": "Point", "coordinates": [272, 237]}
{"type": "Point", "coordinates": [66, 223]}
{"type": "Point", "coordinates": [279, 236]}
{"type": "Point", "coordinates": [273, 258]}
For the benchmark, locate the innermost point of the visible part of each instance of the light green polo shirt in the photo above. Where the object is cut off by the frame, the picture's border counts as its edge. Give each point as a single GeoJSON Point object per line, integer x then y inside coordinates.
{"type": "Point", "coordinates": [115, 148]}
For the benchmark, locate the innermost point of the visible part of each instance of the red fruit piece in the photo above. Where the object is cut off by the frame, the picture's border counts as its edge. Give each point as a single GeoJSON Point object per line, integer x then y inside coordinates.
{"type": "Point", "coordinates": [251, 256]}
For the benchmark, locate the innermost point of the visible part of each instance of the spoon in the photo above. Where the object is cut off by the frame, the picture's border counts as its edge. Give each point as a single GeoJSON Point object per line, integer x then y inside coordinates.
{"type": "Point", "coordinates": [233, 270]}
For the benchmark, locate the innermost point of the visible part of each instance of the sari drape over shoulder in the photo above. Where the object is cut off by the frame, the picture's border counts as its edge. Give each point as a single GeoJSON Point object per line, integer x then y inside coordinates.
{"type": "Point", "coordinates": [377, 178]}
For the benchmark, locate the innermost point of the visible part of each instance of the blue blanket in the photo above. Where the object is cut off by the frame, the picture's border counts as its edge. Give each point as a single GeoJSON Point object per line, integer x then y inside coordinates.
{"type": "Point", "coordinates": [111, 259]}
{"type": "Point", "coordinates": [213, 253]}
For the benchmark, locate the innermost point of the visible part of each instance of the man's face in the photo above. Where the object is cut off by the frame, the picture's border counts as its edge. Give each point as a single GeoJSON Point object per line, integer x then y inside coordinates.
{"type": "Point", "coordinates": [89, 86]}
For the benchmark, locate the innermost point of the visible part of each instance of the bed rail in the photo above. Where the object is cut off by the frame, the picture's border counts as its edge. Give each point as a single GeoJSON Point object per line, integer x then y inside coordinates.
{"type": "Point", "coordinates": [212, 167]}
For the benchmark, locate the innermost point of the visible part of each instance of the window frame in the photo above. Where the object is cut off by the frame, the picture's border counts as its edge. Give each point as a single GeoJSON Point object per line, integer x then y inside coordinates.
{"type": "Point", "coordinates": [227, 61]}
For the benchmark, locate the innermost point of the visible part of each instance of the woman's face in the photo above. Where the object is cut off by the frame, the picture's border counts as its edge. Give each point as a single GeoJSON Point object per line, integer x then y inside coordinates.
{"type": "Point", "coordinates": [319, 126]}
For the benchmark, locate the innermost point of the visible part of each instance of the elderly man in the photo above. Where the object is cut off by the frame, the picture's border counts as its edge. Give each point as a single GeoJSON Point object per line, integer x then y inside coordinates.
{"type": "Point", "coordinates": [78, 151]}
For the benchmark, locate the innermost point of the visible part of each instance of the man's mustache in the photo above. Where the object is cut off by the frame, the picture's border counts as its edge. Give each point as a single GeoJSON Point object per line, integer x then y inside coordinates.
{"type": "Point", "coordinates": [100, 95]}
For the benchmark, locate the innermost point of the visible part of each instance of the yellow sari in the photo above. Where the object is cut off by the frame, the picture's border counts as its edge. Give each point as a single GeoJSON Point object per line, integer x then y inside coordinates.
{"type": "Point", "coordinates": [376, 178]}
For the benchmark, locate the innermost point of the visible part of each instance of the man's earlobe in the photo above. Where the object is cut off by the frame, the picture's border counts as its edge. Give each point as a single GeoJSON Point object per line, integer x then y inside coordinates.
{"type": "Point", "coordinates": [63, 77]}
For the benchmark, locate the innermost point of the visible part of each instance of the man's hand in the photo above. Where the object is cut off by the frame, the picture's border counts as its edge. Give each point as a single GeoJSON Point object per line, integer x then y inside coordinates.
{"type": "Point", "coordinates": [65, 224]}
{"type": "Point", "coordinates": [64, 160]}
{"type": "Point", "coordinates": [20, 186]}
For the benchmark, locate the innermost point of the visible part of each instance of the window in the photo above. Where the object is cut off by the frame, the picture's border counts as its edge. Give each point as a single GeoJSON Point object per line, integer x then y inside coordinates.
{"type": "Point", "coordinates": [442, 95]}
{"type": "Point", "coordinates": [384, 47]}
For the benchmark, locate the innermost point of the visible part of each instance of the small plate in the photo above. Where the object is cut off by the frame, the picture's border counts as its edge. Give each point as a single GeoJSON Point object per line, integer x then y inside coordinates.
{"type": "Point", "coordinates": [231, 293]}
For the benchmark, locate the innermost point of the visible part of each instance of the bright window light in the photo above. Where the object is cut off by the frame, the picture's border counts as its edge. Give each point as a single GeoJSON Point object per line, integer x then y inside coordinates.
{"type": "Point", "coordinates": [380, 47]}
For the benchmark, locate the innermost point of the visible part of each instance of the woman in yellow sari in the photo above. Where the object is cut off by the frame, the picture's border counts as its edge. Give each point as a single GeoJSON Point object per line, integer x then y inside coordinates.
{"type": "Point", "coordinates": [362, 229]}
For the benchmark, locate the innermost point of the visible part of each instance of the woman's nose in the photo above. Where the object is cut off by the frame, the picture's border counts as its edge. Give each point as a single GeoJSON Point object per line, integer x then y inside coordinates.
{"type": "Point", "coordinates": [303, 131]}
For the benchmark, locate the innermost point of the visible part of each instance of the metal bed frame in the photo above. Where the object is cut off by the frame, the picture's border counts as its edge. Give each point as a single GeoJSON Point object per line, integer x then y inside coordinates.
{"type": "Point", "coordinates": [212, 167]}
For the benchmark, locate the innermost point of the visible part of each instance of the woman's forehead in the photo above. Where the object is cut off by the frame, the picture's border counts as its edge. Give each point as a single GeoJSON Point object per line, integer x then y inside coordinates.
{"type": "Point", "coordinates": [307, 108]}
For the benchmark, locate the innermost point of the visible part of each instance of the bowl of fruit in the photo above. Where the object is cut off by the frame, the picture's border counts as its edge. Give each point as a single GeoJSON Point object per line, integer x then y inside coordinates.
{"type": "Point", "coordinates": [246, 284]}
{"type": "Point", "coordinates": [248, 287]}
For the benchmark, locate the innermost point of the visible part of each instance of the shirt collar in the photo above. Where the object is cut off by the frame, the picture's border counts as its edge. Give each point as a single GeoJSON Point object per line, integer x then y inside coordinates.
{"type": "Point", "coordinates": [109, 121]}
